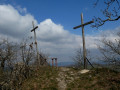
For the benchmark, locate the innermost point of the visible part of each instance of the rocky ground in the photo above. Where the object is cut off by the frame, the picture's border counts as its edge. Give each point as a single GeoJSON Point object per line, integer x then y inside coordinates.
{"type": "Point", "coordinates": [66, 76]}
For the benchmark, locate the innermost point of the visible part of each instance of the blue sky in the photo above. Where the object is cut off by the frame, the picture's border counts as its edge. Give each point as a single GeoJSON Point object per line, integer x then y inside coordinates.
{"type": "Point", "coordinates": [61, 14]}
{"type": "Point", "coordinates": [65, 12]}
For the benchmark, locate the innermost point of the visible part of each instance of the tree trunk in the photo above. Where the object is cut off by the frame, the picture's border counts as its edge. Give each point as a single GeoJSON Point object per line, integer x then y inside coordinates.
{"type": "Point", "coordinates": [2, 64]}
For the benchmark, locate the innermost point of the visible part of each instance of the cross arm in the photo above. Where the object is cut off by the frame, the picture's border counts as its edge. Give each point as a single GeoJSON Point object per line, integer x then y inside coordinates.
{"type": "Point", "coordinates": [83, 24]}
{"type": "Point", "coordinates": [34, 28]}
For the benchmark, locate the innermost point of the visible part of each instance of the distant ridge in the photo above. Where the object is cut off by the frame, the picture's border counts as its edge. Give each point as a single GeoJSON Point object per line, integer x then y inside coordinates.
{"type": "Point", "coordinates": [65, 63]}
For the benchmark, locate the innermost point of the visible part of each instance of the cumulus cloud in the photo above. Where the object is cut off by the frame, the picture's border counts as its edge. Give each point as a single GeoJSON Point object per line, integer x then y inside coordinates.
{"type": "Point", "coordinates": [12, 23]}
{"type": "Point", "coordinates": [21, 10]}
{"type": "Point", "coordinates": [52, 38]}
{"type": "Point", "coordinates": [57, 41]}
{"type": "Point", "coordinates": [55, 33]}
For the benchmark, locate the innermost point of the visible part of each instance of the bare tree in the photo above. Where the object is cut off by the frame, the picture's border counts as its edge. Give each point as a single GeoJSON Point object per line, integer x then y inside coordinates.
{"type": "Point", "coordinates": [111, 50]}
{"type": "Point", "coordinates": [27, 53]}
{"type": "Point", "coordinates": [111, 12]}
{"type": "Point", "coordinates": [18, 58]}
{"type": "Point", "coordinates": [7, 53]}
{"type": "Point", "coordinates": [20, 69]}
{"type": "Point", "coordinates": [78, 58]}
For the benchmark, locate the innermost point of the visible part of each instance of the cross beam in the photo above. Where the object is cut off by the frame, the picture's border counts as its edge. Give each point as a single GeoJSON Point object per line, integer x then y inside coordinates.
{"type": "Point", "coordinates": [83, 24]}
{"type": "Point", "coordinates": [34, 28]}
{"type": "Point", "coordinates": [83, 37]}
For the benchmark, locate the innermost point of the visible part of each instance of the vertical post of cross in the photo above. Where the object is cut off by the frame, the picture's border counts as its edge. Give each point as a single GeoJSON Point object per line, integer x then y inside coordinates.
{"type": "Point", "coordinates": [83, 37]}
{"type": "Point", "coordinates": [34, 28]}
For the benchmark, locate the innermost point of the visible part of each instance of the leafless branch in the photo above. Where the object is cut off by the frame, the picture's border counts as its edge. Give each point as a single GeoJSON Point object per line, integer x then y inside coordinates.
{"type": "Point", "coordinates": [111, 12]}
{"type": "Point", "coordinates": [111, 50]}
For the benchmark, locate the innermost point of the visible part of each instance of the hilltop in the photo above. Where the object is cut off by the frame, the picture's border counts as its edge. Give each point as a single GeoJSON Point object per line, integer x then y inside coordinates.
{"type": "Point", "coordinates": [64, 78]}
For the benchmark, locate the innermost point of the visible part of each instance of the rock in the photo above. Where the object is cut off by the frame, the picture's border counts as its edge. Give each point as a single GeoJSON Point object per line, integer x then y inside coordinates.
{"type": "Point", "coordinates": [84, 71]}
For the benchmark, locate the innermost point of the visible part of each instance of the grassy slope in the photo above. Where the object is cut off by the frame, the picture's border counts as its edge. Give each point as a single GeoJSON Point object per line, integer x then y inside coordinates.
{"type": "Point", "coordinates": [44, 78]}
{"type": "Point", "coordinates": [96, 79]}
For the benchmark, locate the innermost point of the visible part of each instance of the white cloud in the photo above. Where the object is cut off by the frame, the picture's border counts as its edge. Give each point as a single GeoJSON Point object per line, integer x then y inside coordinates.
{"type": "Point", "coordinates": [12, 23]}
{"type": "Point", "coordinates": [52, 38]}
{"type": "Point", "coordinates": [21, 10]}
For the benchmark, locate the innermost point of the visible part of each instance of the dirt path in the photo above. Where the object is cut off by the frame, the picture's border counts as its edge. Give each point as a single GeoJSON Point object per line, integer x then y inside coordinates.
{"type": "Point", "coordinates": [64, 78]}
{"type": "Point", "coordinates": [61, 78]}
{"type": "Point", "coordinates": [67, 75]}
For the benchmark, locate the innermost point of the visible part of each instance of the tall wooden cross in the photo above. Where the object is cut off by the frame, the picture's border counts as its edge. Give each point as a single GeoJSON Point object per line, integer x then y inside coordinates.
{"type": "Point", "coordinates": [34, 28]}
{"type": "Point", "coordinates": [83, 37]}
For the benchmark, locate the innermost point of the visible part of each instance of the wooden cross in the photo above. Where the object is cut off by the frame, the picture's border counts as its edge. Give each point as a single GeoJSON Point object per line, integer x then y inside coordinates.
{"type": "Point", "coordinates": [83, 37]}
{"type": "Point", "coordinates": [34, 28]}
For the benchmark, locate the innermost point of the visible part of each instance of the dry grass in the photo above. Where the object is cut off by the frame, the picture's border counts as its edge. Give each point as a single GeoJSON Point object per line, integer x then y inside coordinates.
{"type": "Point", "coordinates": [97, 79]}
{"type": "Point", "coordinates": [43, 78]}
